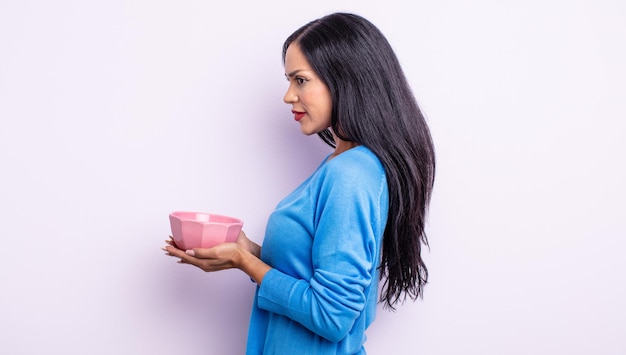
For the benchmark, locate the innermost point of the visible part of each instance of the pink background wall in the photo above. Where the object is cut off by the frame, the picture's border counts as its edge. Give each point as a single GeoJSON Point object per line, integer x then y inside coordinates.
{"type": "Point", "coordinates": [114, 113]}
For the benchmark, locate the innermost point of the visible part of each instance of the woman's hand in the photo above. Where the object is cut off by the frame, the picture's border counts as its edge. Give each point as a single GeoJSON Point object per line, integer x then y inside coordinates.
{"type": "Point", "coordinates": [248, 245]}
{"type": "Point", "coordinates": [220, 257]}
{"type": "Point", "coordinates": [242, 254]}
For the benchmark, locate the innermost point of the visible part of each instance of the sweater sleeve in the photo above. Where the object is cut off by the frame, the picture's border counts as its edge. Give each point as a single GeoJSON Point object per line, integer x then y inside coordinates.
{"type": "Point", "coordinates": [344, 254]}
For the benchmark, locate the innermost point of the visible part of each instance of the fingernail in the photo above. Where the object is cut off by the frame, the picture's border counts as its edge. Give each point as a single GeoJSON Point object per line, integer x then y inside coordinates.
{"type": "Point", "coordinates": [190, 252]}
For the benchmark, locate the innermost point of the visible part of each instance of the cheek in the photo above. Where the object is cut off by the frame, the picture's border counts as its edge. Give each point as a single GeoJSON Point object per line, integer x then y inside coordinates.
{"type": "Point", "coordinates": [328, 108]}
{"type": "Point", "coordinates": [322, 100]}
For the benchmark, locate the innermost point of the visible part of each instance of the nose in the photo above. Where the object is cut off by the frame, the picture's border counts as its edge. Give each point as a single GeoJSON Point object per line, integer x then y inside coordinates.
{"type": "Point", "coordinates": [290, 96]}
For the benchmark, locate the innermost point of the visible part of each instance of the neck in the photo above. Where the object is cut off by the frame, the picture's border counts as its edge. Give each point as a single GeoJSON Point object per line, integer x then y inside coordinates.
{"type": "Point", "coordinates": [342, 146]}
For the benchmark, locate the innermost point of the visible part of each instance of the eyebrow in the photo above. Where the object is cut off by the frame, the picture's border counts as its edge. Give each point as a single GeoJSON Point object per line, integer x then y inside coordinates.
{"type": "Point", "coordinates": [293, 73]}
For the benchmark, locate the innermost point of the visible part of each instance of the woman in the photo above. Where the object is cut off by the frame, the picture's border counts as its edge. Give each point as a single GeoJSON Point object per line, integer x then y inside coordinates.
{"type": "Point", "coordinates": [358, 218]}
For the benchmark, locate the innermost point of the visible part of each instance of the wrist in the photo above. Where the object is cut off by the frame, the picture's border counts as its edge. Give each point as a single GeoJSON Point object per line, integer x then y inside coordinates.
{"type": "Point", "coordinates": [253, 248]}
{"type": "Point", "coordinates": [252, 265]}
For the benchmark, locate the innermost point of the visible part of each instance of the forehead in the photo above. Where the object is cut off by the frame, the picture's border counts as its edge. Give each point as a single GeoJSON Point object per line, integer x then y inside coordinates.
{"type": "Point", "coordinates": [295, 59]}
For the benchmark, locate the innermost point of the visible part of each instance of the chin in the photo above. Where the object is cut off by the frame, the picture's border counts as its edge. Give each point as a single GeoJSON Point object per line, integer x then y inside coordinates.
{"type": "Point", "coordinates": [307, 132]}
{"type": "Point", "coordinates": [310, 130]}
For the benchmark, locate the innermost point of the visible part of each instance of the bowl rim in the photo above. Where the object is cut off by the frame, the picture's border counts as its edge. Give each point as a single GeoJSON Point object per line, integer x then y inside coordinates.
{"type": "Point", "coordinates": [234, 220]}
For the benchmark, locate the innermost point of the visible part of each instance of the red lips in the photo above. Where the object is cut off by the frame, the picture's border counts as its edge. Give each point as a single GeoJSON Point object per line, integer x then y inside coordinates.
{"type": "Point", "coordinates": [297, 115]}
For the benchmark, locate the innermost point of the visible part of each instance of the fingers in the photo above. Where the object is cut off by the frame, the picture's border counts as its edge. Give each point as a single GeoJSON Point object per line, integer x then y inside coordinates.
{"type": "Point", "coordinates": [182, 257]}
{"type": "Point", "coordinates": [171, 249]}
{"type": "Point", "coordinates": [220, 251]}
{"type": "Point", "coordinates": [171, 242]}
{"type": "Point", "coordinates": [207, 259]}
{"type": "Point", "coordinates": [242, 235]}
{"type": "Point", "coordinates": [185, 257]}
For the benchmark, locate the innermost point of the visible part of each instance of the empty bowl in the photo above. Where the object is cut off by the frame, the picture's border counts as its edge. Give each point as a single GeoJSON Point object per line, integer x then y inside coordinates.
{"type": "Point", "coordinates": [203, 230]}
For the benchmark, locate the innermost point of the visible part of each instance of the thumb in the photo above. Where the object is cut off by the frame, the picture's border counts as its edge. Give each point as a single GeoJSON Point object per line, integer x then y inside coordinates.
{"type": "Point", "coordinates": [202, 253]}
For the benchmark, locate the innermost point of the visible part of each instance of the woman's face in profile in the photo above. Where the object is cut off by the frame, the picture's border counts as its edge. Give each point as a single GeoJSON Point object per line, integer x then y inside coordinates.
{"type": "Point", "coordinates": [308, 96]}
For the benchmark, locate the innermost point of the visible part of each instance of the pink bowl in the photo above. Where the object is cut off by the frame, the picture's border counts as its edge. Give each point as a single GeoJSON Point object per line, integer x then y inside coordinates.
{"type": "Point", "coordinates": [203, 230]}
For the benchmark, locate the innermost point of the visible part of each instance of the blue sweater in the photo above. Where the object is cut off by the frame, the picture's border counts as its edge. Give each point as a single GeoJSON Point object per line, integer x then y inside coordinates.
{"type": "Point", "coordinates": [323, 242]}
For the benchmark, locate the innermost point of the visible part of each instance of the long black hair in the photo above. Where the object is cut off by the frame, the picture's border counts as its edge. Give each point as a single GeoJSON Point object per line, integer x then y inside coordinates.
{"type": "Point", "coordinates": [373, 105]}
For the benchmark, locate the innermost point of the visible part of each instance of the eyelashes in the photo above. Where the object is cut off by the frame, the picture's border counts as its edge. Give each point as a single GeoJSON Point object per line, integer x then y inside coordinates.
{"type": "Point", "coordinates": [299, 80]}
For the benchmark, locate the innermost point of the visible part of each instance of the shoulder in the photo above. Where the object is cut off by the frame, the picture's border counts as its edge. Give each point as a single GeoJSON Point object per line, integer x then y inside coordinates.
{"type": "Point", "coordinates": [358, 160]}
{"type": "Point", "coordinates": [355, 167]}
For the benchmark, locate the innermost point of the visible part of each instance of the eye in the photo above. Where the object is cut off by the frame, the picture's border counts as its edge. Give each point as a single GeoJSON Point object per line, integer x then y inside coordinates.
{"type": "Point", "coordinates": [300, 80]}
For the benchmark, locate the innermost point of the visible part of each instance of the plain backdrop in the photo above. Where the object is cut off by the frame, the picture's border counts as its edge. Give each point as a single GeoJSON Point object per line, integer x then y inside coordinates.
{"type": "Point", "coordinates": [115, 113]}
